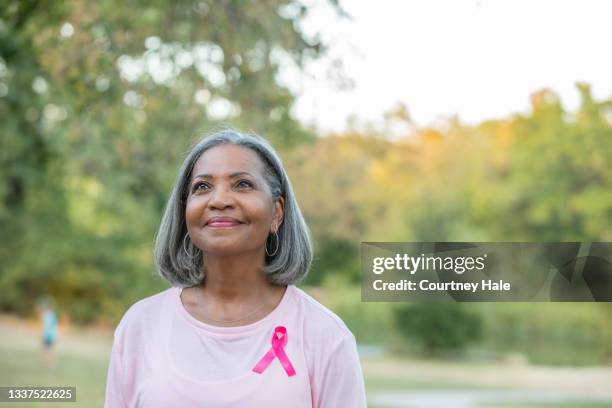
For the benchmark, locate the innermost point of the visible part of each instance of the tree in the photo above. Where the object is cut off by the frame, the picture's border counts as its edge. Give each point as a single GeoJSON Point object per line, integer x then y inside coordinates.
{"type": "Point", "coordinates": [99, 102]}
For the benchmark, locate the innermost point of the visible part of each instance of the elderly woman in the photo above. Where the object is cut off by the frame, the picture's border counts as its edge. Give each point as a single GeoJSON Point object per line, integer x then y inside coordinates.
{"type": "Point", "coordinates": [233, 330]}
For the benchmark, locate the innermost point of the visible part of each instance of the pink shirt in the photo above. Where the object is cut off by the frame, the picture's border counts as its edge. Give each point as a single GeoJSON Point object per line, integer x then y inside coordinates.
{"type": "Point", "coordinates": [164, 357]}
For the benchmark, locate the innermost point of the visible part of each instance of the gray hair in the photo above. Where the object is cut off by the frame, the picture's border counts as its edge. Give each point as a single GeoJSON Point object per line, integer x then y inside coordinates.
{"type": "Point", "coordinates": [181, 263]}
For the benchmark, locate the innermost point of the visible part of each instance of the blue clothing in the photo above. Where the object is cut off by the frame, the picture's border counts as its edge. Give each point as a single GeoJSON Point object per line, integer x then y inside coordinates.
{"type": "Point", "coordinates": [49, 326]}
{"type": "Point", "coordinates": [47, 341]}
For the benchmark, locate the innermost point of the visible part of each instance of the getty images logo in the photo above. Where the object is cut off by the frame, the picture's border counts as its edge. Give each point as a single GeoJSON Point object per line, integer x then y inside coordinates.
{"type": "Point", "coordinates": [412, 264]}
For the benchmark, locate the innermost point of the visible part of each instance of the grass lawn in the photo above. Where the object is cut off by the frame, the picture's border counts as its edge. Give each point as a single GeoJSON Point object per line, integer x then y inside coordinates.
{"type": "Point", "coordinates": [24, 368]}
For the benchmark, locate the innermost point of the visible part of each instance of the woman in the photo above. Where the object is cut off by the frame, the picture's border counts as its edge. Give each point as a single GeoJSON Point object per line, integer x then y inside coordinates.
{"type": "Point", "coordinates": [233, 330]}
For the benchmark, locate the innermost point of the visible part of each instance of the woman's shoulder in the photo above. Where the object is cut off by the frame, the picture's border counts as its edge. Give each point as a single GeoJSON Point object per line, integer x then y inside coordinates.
{"type": "Point", "coordinates": [144, 311]}
{"type": "Point", "coordinates": [319, 319]}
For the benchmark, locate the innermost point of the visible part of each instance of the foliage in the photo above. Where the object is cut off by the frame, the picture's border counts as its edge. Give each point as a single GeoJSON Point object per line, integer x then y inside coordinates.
{"type": "Point", "coordinates": [438, 327]}
{"type": "Point", "coordinates": [99, 102]}
{"type": "Point", "coordinates": [544, 176]}
{"type": "Point", "coordinates": [550, 333]}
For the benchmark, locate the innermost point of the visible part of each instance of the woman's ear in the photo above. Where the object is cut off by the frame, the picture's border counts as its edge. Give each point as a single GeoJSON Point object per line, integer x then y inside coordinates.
{"type": "Point", "coordinates": [279, 212]}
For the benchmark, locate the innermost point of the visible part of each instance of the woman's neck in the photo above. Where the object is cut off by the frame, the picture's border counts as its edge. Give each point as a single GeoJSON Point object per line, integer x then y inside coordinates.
{"type": "Point", "coordinates": [235, 278]}
{"type": "Point", "coordinates": [234, 292]}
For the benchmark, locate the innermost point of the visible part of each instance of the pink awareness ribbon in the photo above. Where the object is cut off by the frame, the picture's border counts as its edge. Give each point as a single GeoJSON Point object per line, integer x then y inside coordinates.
{"type": "Point", "coordinates": [279, 340]}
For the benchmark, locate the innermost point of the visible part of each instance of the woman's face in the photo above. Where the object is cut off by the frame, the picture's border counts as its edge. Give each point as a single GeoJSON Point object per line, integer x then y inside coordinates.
{"type": "Point", "coordinates": [228, 181]}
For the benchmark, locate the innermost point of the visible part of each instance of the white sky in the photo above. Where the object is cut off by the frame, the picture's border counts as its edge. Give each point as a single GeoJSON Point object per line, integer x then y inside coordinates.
{"type": "Point", "coordinates": [480, 59]}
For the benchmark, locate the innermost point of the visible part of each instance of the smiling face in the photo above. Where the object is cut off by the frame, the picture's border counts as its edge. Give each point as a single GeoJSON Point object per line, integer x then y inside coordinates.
{"type": "Point", "coordinates": [230, 208]}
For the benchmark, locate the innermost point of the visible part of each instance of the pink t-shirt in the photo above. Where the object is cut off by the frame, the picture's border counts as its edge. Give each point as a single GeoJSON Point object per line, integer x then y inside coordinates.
{"type": "Point", "coordinates": [164, 357]}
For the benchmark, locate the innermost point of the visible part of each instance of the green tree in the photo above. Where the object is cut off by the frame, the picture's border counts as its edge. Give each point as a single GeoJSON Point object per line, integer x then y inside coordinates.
{"type": "Point", "coordinates": [98, 104]}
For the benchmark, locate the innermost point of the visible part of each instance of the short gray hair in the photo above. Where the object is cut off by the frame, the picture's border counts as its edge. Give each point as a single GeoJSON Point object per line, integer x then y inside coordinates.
{"type": "Point", "coordinates": [289, 265]}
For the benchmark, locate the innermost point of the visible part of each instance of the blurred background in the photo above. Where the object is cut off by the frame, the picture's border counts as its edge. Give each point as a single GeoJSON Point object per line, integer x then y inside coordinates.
{"type": "Point", "coordinates": [397, 121]}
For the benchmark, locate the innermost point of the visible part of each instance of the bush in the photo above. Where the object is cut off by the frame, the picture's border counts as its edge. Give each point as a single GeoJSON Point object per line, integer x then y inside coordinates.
{"type": "Point", "coordinates": [438, 327]}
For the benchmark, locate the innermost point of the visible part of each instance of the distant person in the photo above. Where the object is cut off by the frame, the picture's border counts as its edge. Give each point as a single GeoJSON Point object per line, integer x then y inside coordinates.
{"type": "Point", "coordinates": [49, 331]}
{"type": "Point", "coordinates": [233, 330]}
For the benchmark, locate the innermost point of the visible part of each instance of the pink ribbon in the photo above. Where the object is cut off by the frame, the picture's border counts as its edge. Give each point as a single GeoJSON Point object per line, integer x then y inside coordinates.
{"type": "Point", "coordinates": [279, 340]}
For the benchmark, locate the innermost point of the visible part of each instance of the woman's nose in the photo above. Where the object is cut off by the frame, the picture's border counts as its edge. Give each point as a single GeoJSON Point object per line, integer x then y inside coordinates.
{"type": "Point", "coordinates": [220, 198]}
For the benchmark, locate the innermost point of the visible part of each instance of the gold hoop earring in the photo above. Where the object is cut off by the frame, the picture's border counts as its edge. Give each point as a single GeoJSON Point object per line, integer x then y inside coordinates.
{"type": "Point", "coordinates": [184, 248]}
{"type": "Point", "coordinates": [276, 246]}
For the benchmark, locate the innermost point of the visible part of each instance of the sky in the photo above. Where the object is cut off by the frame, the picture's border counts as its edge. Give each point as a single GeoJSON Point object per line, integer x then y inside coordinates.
{"type": "Point", "coordinates": [478, 59]}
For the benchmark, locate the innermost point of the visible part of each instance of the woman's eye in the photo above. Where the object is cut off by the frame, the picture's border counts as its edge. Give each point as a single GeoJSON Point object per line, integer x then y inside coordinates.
{"type": "Point", "coordinates": [244, 183]}
{"type": "Point", "coordinates": [203, 186]}
{"type": "Point", "coordinates": [197, 185]}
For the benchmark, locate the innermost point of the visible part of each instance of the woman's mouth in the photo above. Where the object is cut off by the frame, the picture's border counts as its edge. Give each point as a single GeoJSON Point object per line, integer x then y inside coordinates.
{"type": "Point", "coordinates": [222, 222]}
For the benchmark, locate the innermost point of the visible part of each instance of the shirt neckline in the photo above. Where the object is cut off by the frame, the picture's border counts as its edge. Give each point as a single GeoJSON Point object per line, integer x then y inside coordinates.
{"type": "Point", "coordinates": [223, 331]}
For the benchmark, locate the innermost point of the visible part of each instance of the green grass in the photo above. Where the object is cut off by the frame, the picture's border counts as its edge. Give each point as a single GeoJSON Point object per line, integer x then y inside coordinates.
{"type": "Point", "coordinates": [81, 361]}
{"type": "Point", "coordinates": [24, 368]}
